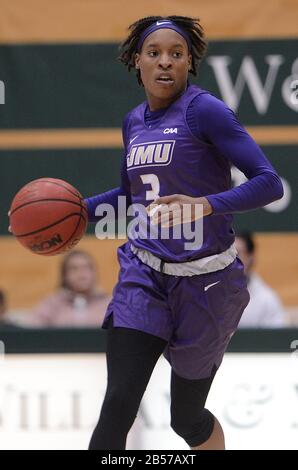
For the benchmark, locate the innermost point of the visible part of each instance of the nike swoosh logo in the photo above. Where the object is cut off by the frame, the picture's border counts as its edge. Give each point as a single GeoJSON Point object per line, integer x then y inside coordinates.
{"type": "Point", "coordinates": [210, 285]}
{"type": "Point", "coordinates": [162, 22]}
{"type": "Point", "coordinates": [130, 142]}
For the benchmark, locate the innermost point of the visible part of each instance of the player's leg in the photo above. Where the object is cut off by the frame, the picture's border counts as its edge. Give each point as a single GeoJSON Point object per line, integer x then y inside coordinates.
{"type": "Point", "coordinates": [131, 357]}
{"type": "Point", "coordinates": [216, 441]}
{"type": "Point", "coordinates": [189, 417]}
{"type": "Point", "coordinates": [204, 328]}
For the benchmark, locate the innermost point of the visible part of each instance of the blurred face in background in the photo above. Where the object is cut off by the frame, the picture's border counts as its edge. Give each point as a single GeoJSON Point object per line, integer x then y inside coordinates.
{"type": "Point", "coordinates": [2, 305]}
{"type": "Point", "coordinates": [243, 253]}
{"type": "Point", "coordinates": [80, 274]}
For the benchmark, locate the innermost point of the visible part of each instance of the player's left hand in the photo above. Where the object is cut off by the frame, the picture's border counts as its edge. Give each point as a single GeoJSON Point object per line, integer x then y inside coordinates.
{"type": "Point", "coordinates": [178, 209]}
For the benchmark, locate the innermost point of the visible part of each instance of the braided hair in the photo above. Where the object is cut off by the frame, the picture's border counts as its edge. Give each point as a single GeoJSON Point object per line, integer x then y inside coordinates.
{"type": "Point", "coordinates": [192, 26]}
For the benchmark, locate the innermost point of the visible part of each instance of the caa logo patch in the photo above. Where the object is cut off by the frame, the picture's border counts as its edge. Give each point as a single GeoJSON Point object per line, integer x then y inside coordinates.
{"type": "Point", "coordinates": [170, 130]}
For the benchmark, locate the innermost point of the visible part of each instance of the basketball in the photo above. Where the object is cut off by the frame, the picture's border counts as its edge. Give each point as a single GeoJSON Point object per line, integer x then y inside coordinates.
{"type": "Point", "coordinates": [48, 216]}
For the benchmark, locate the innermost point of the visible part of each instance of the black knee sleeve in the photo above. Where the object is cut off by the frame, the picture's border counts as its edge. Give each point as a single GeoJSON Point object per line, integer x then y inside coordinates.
{"type": "Point", "coordinates": [196, 431]}
{"type": "Point", "coordinates": [131, 357]}
{"type": "Point", "coordinates": [121, 406]}
{"type": "Point", "coordinates": [118, 413]}
{"type": "Point", "coordinates": [189, 417]}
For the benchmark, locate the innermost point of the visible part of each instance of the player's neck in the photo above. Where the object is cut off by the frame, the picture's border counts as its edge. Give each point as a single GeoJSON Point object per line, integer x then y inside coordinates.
{"type": "Point", "coordinates": [156, 104]}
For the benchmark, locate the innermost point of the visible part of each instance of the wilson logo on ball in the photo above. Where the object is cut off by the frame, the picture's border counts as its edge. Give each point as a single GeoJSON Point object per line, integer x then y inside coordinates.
{"type": "Point", "coordinates": [47, 244]}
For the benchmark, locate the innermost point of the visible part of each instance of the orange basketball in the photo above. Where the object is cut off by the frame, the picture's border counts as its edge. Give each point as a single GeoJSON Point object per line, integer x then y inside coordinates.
{"type": "Point", "coordinates": [48, 216]}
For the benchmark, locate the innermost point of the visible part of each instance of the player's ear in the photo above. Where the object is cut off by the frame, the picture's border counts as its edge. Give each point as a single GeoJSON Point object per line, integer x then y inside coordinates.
{"type": "Point", "coordinates": [137, 60]}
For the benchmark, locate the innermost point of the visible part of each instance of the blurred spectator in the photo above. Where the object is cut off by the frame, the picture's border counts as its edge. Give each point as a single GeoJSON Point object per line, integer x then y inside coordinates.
{"type": "Point", "coordinates": [3, 308]}
{"type": "Point", "coordinates": [264, 309]}
{"type": "Point", "coordinates": [77, 302]}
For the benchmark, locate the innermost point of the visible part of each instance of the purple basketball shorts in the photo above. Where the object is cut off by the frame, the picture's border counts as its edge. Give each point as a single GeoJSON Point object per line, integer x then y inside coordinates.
{"type": "Point", "coordinates": [196, 315]}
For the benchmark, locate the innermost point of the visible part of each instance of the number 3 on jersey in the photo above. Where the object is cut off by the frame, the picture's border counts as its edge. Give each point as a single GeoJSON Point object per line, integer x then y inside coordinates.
{"type": "Point", "coordinates": [153, 180]}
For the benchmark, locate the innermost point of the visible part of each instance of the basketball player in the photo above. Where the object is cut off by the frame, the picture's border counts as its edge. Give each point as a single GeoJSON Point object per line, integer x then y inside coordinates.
{"type": "Point", "coordinates": [183, 303]}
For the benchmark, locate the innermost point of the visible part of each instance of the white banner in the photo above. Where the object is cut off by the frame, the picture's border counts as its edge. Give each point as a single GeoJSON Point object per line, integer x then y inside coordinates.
{"type": "Point", "coordinates": [53, 402]}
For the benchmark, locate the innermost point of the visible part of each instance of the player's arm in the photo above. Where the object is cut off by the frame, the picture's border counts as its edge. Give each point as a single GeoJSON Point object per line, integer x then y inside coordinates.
{"type": "Point", "coordinates": [217, 125]}
{"type": "Point", "coordinates": [111, 197]}
{"type": "Point", "coordinates": [220, 127]}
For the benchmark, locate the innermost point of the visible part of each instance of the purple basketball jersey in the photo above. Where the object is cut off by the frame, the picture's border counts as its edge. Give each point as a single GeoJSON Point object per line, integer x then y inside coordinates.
{"type": "Point", "coordinates": [168, 159]}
